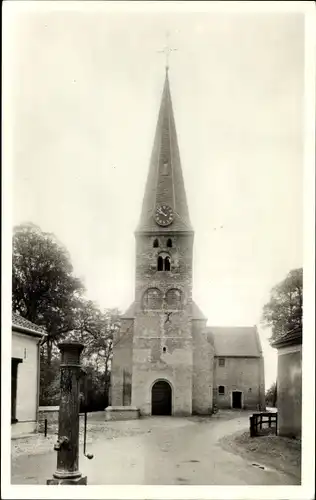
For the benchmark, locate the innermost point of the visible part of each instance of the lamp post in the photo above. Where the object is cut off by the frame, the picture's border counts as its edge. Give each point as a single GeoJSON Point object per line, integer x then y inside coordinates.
{"type": "Point", "coordinates": [67, 446]}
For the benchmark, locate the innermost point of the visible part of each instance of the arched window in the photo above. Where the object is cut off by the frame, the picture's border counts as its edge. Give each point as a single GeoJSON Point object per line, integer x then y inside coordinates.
{"type": "Point", "coordinates": [163, 262]}
{"type": "Point", "coordinates": [169, 243]}
{"type": "Point", "coordinates": [174, 298]}
{"type": "Point", "coordinates": [160, 263]}
{"type": "Point", "coordinates": [156, 243]}
{"type": "Point", "coordinates": [167, 264]}
{"type": "Point", "coordinates": [152, 299]}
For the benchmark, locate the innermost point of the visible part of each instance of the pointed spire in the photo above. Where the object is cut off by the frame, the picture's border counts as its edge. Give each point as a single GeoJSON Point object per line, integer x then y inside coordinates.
{"type": "Point", "coordinates": [165, 183]}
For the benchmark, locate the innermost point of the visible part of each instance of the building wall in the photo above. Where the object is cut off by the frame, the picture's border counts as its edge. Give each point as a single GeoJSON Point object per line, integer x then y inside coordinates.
{"type": "Point", "coordinates": [180, 275]}
{"type": "Point", "coordinates": [165, 343]}
{"type": "Point", "coordinates": [121, 370]}
{"type": "Point", "coordinates": [289, 390]}
{"type": "Point", "coordinates": [25, 347]}
{"type": "Point", "coordinates": [151, 363]}
{"type": "Point", "coordinates": [238, 374]}
{"type": "Point", "coordinates": [203, 359]}
{"type": "Point", "coordinates": [154, 329]}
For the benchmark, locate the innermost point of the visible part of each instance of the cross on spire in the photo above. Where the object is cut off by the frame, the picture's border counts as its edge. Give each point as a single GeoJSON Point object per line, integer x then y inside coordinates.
{"type": "Point", "coordinates": [167, 50]}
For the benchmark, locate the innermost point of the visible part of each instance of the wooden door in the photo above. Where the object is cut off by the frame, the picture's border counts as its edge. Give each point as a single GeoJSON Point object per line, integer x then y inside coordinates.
{"type": "Point", "coordinates": [161, 398]}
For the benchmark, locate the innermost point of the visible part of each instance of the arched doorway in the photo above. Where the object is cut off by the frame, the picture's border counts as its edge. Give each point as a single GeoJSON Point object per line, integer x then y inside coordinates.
{"type": "Point", "coordinates": [161, 397]}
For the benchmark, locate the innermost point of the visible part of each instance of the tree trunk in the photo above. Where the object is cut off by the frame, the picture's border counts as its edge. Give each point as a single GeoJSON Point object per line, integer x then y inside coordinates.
{"type": "Point", "coordinates": [49, 352]}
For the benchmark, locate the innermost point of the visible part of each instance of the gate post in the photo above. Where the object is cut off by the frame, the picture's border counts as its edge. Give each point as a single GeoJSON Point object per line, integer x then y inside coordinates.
{"type": "Point", "coordinates": [67, 446]}
{"type": "Point", "coordinates": [252, 421]}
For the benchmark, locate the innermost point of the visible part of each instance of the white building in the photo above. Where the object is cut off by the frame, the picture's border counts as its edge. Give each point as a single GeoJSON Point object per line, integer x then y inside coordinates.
{"type": "Point", "coordinates": [25, 374]}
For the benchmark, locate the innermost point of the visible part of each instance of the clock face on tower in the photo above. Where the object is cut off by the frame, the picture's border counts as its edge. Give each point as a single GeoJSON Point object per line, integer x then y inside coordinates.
{"type": "Point", "coordinates": [163, 215]}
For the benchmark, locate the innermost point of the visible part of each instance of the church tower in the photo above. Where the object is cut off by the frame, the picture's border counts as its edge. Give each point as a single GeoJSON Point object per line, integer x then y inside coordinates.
{"type": "Point", "coordinates": [162, 357]}
{"type": "Point", "coordinates": [162, 341]}
{"type": "Point", "coordinates": [165, 359]}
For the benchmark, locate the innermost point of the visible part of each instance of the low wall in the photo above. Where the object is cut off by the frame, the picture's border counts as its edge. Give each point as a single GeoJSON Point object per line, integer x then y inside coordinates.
{"type": "Point", "coordinates": [20, 428]}
{"type": "Point", "coordinates": [50, 413]}
{"type": "Point", "coordinates": [121, 413]}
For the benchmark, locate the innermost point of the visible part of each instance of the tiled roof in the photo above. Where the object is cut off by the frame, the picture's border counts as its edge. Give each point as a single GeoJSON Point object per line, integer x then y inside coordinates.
{"type": "Point", "coordinates": [196, 312]}
{"type": "Point", "coordinates": [240, 341]}
{"type": "Point", "coordinates": [130, 312]}
{"type": "Point", "coordinates": [21, 322]}
{"type": "Point", "coordinates": [235, 341]}
{"type": "Point", "coordinates": [292, 337]}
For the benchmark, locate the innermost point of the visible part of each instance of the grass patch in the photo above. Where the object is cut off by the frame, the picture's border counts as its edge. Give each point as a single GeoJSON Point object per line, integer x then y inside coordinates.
{"type": "Point", "coordinates": [279, 452]}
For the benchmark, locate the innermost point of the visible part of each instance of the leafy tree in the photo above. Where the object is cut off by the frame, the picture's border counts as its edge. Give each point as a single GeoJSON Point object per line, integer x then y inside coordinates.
{"type": "Point", "coordinates": [50, 381]}
{"type": "Point", "coordinates": [44, 289]}
{"type": "Point", "coordinates": [271, 395]}
{"type": "Point", "coordinates": [284, 310]}
{"type": "Point", "coordinates": [46, 292]}
{"type": "Point", "coordinates": [95, 329]}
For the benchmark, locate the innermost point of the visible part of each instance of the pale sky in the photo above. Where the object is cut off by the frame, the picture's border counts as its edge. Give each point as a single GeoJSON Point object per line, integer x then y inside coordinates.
{"type": "Point", "coordinates": [85, 92]}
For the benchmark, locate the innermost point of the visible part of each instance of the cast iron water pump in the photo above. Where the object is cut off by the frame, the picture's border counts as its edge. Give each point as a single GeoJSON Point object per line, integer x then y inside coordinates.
{"type": "Point", "coordinates": [67, 445]}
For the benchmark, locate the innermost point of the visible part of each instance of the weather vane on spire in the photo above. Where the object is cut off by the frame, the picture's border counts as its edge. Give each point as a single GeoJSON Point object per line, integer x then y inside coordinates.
{"type": "Point", "coordinates": [167, 50]}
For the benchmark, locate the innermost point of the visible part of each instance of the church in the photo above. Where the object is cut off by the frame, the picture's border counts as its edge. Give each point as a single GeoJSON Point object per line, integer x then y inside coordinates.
{"type": "Point", "coordinates": [166, 360]}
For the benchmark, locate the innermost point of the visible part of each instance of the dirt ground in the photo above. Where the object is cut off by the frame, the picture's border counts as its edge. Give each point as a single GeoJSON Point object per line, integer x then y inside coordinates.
{"type": "Point", "coordinates": [159, 450]}
{"type": "Point", "coordinates": [37, 443]}
{"type": "Point", "coordinates": [279, 452]}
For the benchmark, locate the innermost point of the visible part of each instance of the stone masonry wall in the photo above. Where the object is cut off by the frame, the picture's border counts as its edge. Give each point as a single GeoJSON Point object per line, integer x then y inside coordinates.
{"type": "Point", "coordinates": [162, 351]}
{"type": "Point", "coordinates": [121, 370]}
{"type": "Point", "coordinates": [203, 359]}
{"type": "Point", "coordinates": [238, 374]}
{"type": "Point", "coordinates": [180, 275]}
{"type": "Point", "coordinates": [168, 328]}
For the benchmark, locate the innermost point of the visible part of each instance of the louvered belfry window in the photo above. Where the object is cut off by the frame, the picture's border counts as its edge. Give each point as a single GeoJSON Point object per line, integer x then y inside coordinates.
{"type": "Point", "coordinates": [163, 263]}
{"type": "Point", "coordinates": [160, 263]}
{"type": "Point", "coordinates": [167, 264]}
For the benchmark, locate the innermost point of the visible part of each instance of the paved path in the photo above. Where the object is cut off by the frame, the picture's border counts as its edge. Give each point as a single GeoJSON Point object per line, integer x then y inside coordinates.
{"type": "Point", "coordinates": [166, 450]}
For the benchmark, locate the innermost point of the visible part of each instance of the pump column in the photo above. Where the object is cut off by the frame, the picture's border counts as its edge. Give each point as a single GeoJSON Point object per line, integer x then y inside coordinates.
{"type": "Point", "coordinates": [67, 446]}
